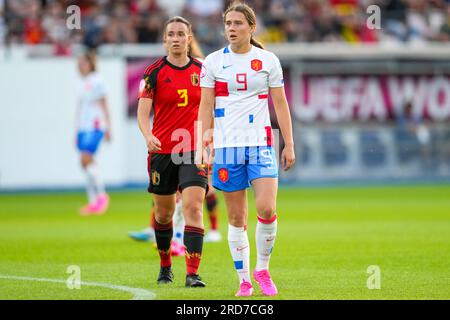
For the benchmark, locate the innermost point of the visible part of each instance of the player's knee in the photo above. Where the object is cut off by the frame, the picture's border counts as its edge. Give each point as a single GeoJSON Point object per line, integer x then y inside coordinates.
{"type": "Point", "coordinates": [266, 211]}
{"type": "Point", "coordinates": [86, 160]}
{"type": "Point", "coordinates": [237, 216]}
{"type": "Point", "coordinates": [163, 214]}
{"type": "Point", "coordinates": [193, 210]}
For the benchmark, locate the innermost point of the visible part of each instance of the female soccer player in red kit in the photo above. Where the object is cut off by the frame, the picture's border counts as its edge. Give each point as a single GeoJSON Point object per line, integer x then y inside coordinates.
{"type": "Point", "coordinates": [236, 82]}
{"type": "Point", "coordinates": [171, 86]}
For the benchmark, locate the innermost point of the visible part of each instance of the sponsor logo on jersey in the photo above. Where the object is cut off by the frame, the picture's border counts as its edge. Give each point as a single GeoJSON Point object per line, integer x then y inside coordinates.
{"type": "Point", "coordinates": [223, 174]}
{"type": "Point", "coordinates": [225, 67]}
{"type": "Point", "coordinates": [256, 64]}
{"type": "Point", "coordinates": [156, 178]}
{"type": "Point", "coordinates": [195, 80]}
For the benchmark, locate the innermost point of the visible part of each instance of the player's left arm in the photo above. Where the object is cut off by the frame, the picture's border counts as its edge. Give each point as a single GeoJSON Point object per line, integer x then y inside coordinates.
{"type": "Point", "coordinates": [284, 120]}
{"type": "Point", "coordinates": [104, 106]}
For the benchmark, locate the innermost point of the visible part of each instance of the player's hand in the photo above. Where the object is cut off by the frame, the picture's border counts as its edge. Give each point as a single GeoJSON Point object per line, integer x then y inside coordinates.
{"type": "Point", "coordinates": [201, 158]}
{"type": "Point", "coordinates": [108, 135]}
{"type": "Point", "coordinates": [287, 157]}
{"type": "Point", "coordinates": [153, 144]}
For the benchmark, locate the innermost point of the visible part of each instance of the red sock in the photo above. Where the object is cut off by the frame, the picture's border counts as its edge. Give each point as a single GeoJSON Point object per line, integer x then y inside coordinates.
{"type": "Point", "coordinates": [213, 220]}
{"type": "Point", "coordinates": [193, 242]}
{"type": "Point", "coordinates": [211, 205]}
{"type": "Point", "coordinates": [163, 235]}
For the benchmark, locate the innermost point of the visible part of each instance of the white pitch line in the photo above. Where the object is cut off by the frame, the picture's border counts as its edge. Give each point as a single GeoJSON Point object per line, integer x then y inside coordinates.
{"type": "Point", "coordinates": [138, 294]}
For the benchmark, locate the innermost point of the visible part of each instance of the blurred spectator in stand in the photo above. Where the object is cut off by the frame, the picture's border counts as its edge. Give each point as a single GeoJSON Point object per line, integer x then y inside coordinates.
{"type": "Point", "coordinates": [203, 8]}
{"type": "Point", "coordinates": [444, 34]}
{"type": "Point", "coordinates": [54, 24]}
{"type": "Point", "coordinates": [207, 22]}
{"type": "Point", "coordinates": [209, 33]}
{"type": "Point", "coordinates": [394, 21]}
{"type": "Point", "coordinates": [325, 25]}
{"type": "Point", "coordinates": [149, 28]}
{"type": "Point", "coordinates": [353, 27]}
{"type": "Point", "coordinates": [140, 21]}
{"type": "Point", "coordinates": [93, 23]}
{"type": "Point", "coordinates": [149, 20]}
{"type": "Point", "coordinates": [2, 23]}
{"type": "Point", "coordinates": [33, 31]}
{"type": "Point", "coordinates": [172, 7]}
{"type": "Point", "coordinates": [120, 27]}
{"type": "Point", "coordinates": [424, 20]}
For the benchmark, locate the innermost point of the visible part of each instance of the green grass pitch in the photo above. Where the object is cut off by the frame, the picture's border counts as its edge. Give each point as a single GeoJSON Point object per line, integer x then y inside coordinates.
{"type": "Point", "coordinates": [327, 239]}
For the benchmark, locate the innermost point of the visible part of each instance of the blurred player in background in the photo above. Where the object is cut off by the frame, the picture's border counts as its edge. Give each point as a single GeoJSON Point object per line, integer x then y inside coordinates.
{"type": "Point", "coordinates": [171, 87]}
{"type": "Point", "coordinates": [211, 202]}
{"type": "Point", "coordinates": [236, 82]}
{"type": "Point", "coordinates": [93, 124]}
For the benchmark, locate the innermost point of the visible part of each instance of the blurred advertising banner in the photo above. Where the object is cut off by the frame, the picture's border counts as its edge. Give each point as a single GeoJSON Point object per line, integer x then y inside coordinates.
{"type": "Point", "coordinates": [367, 97]}
{"type": "Point", "coordinates": [135, 72]}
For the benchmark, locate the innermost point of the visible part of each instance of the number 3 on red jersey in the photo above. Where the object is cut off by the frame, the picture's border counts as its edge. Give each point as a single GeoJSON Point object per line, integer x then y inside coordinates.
{"type": "Point", "coordinates": [241, 78]}
{"type": "Point", "coordinates": [183, 93]}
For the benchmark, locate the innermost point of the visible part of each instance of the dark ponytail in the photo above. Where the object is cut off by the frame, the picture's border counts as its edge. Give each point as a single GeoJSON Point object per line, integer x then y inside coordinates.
{"type": "Point", "coordinates": [256, 43]}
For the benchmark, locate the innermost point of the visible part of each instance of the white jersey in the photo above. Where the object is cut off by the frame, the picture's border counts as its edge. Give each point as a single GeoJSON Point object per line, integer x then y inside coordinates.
{"type": "Point", "coordinates": [91, 116]}
{"type": "Point", "coordinates": [241, 82]}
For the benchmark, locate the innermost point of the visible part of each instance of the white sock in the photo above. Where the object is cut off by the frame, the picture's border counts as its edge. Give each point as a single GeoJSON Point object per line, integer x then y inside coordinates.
{"type": "Point", "coordinates": [90, 188]}
{"type": "Point", "coordinates": [266, 233]}
{"type": "Point", "coordinates": [94, 175]}
{"type": "Point", "coordinates": [240, 251]}
{"type": "Point", "coordinates": [178, 224]}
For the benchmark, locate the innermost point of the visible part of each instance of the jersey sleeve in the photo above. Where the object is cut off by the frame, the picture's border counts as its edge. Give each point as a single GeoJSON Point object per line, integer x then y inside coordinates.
{"type": "Point", "coordinates": [207, 78]}
{"type": "Point", "coordinates": [147, 86]}
{"type": "Point", "coordinates": [276, 73]}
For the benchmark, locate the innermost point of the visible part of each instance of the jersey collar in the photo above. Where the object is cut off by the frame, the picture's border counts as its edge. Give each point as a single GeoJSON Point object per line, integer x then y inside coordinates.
{"type": "Point", "coordinates": [179, 68]}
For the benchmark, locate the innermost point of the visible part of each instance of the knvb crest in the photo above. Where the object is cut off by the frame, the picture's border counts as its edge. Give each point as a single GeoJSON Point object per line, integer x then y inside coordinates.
{"type": "Point", "coordinates": [256, 64]}
{"type": "Point", "coordinates": [223, 174]}
{"type": "Point", "coordinates": [195, 79]}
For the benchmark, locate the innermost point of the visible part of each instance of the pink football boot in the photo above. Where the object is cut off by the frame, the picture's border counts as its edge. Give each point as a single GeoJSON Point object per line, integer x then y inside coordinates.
{"type": "Point", "coordinates": [177, 249]}
{"type": "Point", "coordinates": [88, 209]}
{"type": "Point", "coordinates": [265, 282]}
{"type": "Point", "coordinates": [245, 289]}
{"type": "Point", "coordinates": [102, 204]}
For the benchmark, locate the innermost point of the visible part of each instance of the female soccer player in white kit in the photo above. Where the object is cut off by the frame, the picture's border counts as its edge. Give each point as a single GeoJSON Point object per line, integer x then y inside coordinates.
{"type": "Point", "coordinates": [93, 124]}
{"type": "Point", "coordinates": [236, 82]}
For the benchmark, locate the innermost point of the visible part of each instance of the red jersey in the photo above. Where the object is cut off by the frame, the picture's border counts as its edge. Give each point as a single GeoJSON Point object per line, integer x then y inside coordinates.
{"type": "Point", "coordinates": [175, 92]}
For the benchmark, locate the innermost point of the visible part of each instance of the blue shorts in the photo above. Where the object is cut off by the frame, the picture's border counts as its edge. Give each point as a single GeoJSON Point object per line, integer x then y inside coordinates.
{"type": "Point", "coordinates": [88, 141]}
{"type": "Point", "coordinates": [234, 168]}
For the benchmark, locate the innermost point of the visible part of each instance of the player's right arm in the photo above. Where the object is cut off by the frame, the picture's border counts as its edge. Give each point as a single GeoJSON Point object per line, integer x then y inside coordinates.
{"type": "Point", "coordinates": [143, 116]}
{"type": "Point", "coordinates": [205, 121]}
{"type": "Point", "coordinates": [205, 124]}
